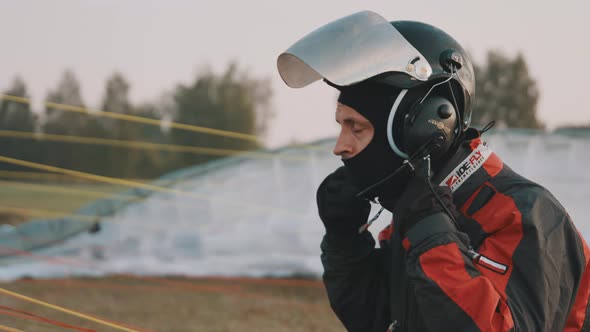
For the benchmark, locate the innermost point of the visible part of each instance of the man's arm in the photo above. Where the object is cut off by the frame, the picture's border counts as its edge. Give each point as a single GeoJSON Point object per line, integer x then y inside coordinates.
{"type": "Point", "coordinates": [452, 295]}
{"type": "Point", "coordinates": [356, 281]}
{"type": "Point", "coordinates": [525, 276]}
{"type": "Point", "coordinates": [352, 268]}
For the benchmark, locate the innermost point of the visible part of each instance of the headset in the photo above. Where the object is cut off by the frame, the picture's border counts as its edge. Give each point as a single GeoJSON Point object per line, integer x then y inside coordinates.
{"type": "Point", "coordinates": [427, 131]}
{"type": "Point", "coordinates": [432, 119]}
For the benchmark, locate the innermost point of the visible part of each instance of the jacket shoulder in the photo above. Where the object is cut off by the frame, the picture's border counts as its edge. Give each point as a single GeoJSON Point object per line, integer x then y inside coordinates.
{"type": "Point", "coordinates": [537, 206]}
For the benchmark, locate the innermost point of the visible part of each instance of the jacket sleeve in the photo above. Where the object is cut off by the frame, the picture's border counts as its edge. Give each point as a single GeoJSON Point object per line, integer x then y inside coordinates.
{"type": "Point", "coordinates": [356, 281]}
{"type": "Point", "coordinates": [524, 276]}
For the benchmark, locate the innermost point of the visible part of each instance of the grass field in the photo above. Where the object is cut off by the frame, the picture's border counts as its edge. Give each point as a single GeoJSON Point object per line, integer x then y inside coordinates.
{"type": "Point", "coordinates": [21, 201]}
{"type": "Point", "coordinates": [175, 304]}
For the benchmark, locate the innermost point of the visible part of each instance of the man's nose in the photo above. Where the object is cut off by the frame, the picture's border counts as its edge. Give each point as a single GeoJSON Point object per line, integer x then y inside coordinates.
{"type": "Point", "coordinates": [343, 147]}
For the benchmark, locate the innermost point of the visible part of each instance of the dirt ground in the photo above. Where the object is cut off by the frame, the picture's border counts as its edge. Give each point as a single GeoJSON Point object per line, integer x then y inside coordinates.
{"type": "Point", "coordinates": [170, 304]}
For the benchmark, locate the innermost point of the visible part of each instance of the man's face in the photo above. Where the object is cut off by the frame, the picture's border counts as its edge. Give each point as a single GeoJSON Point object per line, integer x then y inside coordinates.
{"type": "Point", "coordinates": [356, 132]}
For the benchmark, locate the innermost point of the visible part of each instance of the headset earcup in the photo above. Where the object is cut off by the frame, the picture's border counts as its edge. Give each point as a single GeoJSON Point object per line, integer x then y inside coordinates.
{"type": "Point", "coordinates": [433, 119]}
{"type": "Point", "coordinates": [409, 120]}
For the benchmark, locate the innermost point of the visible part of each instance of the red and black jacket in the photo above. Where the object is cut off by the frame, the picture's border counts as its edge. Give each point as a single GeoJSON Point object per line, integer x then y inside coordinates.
{"type": "Point", "coordinates": [516, 263]}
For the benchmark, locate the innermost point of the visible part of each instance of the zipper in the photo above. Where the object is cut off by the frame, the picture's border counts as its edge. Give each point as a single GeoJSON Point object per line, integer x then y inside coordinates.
{"type": "Point", "coordinates": [474, 255]}
{"type": "Point", "coordinates": [393, 326]}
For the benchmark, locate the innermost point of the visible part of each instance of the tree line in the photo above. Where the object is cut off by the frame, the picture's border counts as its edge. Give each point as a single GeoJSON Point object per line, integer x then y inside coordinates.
{"type": "Point", "coordinates": [231, 101]}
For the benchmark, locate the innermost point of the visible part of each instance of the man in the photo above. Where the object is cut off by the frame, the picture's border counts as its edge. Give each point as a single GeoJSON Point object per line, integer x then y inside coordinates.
{"type": "Point", "coordinates": [472, 246]}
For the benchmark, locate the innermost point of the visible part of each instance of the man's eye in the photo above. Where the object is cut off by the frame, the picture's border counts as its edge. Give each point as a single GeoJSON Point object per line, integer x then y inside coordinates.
{"type": "Point", "coordinates": [358, 130]}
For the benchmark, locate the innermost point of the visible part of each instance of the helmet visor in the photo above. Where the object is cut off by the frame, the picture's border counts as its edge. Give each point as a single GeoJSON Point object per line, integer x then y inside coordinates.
{"type": "Point", "coordinates": [350, 50]}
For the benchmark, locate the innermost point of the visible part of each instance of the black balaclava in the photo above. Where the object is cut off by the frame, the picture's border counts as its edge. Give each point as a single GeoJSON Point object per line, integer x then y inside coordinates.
{"type": "Point", "coordinates": [377, 160]}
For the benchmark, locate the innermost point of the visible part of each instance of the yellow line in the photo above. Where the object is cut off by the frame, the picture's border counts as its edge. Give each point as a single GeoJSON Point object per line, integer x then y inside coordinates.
{"type": "Point", "coordinates": [66, 190]}
{"type": "Point", "coordinates": [84, 218]}
{"type": "Point", "coordinates": [91, 193]}
{"type": "Point", "coordinates": [49, 176]}
{"type": "Point", "coordinates": [41, 213]}
{"type": "Point", "coordinates": [18, 99]}
{"type": "Point", "coordinates": [139, 119]}
{"type": "Point", "coordinates": [140, 145]}
{"type": "Point", "coordinates": [67, 311]}
{"type": "Point", "coordinates": [9, 329]}
{"type": "Point", "coordinates": [133, 118]}
{"type": "Point", "coordinates": [144, 120]}
{"type": "Point", "coordinates": [62, 214]}
{"type": "Point", "coordinates": [32, 175]}
{"type": "Point", "coordinates": [89, 176]}
{"type": "Point", "coordinates": [46, 213]}
{"type": "Point", "coordinates": [132, 184]}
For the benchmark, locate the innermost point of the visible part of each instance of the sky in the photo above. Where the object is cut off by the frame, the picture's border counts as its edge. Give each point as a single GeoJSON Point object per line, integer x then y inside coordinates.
{"type": "Point", "coordinates": [159, 44]}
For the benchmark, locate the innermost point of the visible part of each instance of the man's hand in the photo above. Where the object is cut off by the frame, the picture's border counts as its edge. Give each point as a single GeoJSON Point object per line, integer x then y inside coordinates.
{"type": "Point", "coordinates": [341, 212]}
{"type": "Point", "coordinates": [417, 202]}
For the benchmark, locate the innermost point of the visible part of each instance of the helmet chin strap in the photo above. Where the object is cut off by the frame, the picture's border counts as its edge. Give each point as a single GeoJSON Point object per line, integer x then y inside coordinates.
{"type": "Point", "coordinates": [392, 113]}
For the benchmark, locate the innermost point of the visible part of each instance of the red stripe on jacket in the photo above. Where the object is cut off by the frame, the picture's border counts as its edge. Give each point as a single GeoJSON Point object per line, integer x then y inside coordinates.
{"type": "Point", "coordinates": [385, 234]}
{"type": "Point", "coordinates": [475, 296]}
{"type": "Point", "coordinates": [575, 320]}
{"type": "Point", "coordinates": [493, 164]}
{"type": "Point", "coordinates": [501, 217]}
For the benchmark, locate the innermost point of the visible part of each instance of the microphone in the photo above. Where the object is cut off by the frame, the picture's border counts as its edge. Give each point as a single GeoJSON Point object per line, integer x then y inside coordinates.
{"type": "Point", "coordinates": [410, 163]}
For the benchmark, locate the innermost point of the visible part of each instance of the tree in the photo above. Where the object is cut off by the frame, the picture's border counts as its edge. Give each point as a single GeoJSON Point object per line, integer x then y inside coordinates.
{"type": "Point", "coordinates": [231, 101]}
{"type": "Point", "coordinates": [58, 121]}
{"type": "Point", "coordinates": [505, 93]}
{"type": "Point", "coordinates": [116, 100]}
{"type": "Point", "coordinates": [152, 163]}
{"type": "Point", "coordinates": [61, 122]}
{"type": "Point", "coordinates": [124, 162]}
{"type": "Point", "coordinates": [16, 116]}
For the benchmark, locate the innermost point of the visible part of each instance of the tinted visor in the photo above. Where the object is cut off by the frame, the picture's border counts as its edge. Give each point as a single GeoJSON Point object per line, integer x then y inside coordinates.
{"type": "Point", "coordinates": [350, 50]}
